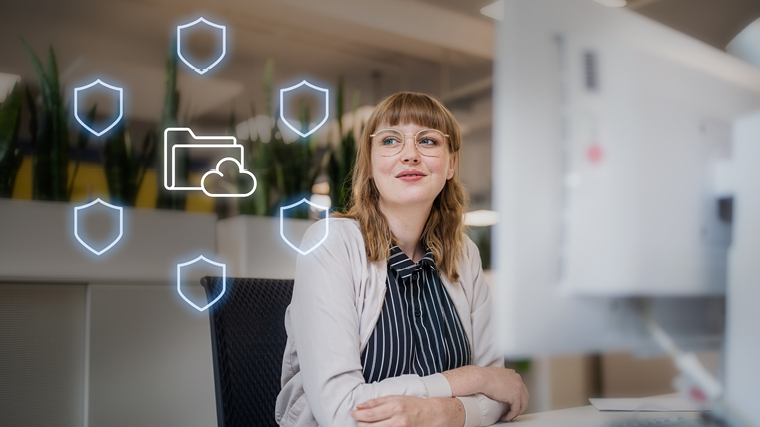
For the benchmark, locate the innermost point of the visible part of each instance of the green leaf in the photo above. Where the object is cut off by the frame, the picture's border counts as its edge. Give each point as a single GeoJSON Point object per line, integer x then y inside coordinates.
{"type": "Point", "coordinates": [50, 152]}
{"type": "Point", "coordinates": [342, 158]}
{"type": "Point", "coordinates": [116, 165]}
{"type": "Point", "coordinates": [170, 199]}
{"type": "Point", "coordinates": [148, 152]}
{"type": "Point", "coordinates": [59, 152]}
{"type": "Point", "coordinates": [32, 116]}
{"type": "Point", "coordinates": [52, 78]}
{"type": "Point", "coordinates": [42, 146]}
{"type": "Point", "coordinates": [268, 81]}
{"type": "Point", "coordinates": [39, 70]}
{"type": "Point", "coordinates": [82, 141]}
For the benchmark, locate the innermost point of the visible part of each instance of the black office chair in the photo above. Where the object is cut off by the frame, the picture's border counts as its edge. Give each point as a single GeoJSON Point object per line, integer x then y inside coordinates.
{"type": "Point", "coordinates": [248, 341]}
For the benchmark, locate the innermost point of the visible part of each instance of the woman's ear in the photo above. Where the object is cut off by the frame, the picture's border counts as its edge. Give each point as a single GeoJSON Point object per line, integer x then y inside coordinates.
{"type": "Point", "coordinates": [452, 166]}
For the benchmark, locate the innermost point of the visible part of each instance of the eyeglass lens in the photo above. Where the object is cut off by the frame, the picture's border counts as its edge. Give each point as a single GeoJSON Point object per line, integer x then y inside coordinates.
{"type": "Point", "coordinates": [390, 142]}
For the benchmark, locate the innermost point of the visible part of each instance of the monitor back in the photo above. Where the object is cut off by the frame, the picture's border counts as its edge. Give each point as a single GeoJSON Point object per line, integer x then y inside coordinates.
{"type": "Point", "coordinates": [610, 132]}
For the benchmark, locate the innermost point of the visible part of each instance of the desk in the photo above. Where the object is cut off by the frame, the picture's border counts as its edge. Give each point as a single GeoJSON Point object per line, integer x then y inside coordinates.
{"type": "Point", "coordinates": [583, 416]}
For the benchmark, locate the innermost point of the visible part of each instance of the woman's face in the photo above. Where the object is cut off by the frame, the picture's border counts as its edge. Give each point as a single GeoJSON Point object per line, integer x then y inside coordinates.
{"type": "Point", "coordinates": [408, 177]}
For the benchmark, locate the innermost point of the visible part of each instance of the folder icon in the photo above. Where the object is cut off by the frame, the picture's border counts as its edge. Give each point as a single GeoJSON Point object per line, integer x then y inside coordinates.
{"type": "Point", "coordinates": [180, 142]}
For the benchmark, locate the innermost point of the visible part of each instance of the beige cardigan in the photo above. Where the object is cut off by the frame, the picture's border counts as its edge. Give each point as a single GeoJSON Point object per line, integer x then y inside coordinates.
{"type": "Point", "coordinates": [337, 299]}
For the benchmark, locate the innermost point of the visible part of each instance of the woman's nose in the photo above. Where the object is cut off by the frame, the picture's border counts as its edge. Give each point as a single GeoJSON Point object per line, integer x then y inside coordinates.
{"type": "Point", "coordinates": [410, 154]}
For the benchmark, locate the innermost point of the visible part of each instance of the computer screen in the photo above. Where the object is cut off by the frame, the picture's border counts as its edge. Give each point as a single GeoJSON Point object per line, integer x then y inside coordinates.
{"type": "Point", "coordinates": [611, 136]}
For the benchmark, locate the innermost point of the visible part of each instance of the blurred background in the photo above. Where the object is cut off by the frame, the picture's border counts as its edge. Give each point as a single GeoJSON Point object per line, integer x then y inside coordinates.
{"type": "Point", "coordinates": [361, 51]}
{"type": "Point", "coordinates": [105, 321]}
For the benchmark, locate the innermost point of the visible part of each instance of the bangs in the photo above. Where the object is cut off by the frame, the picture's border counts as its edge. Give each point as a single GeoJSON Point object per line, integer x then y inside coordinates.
{"type": "Point", "coordinates": [443, 231]}
{"type": "Point", "coordinates": [415, 108]}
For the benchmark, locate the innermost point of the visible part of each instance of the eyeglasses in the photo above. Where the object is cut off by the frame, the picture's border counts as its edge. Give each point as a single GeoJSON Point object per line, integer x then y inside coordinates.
{"type": "Point", "coordinates": [389, 142]}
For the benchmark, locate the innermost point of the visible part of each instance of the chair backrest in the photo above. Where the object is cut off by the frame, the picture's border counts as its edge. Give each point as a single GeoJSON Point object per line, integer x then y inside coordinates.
{"type": "Point", "coordinates": [248, 340]}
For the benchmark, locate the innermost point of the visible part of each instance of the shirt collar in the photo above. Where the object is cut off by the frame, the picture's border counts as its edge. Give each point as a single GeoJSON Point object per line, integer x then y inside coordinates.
{"type": "Point", "coordinates": [403, 266]}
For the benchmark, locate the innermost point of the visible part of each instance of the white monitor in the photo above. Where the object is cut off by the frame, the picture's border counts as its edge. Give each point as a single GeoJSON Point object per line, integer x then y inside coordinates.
{"type": "Point", "coordinates": [743, 291]}
{"type": "Point", "coordinates": [611, 136]}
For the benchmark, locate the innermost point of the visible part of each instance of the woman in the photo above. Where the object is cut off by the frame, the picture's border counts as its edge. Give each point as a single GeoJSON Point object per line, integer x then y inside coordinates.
{"type": "Point", "coordinates": [389, 322]}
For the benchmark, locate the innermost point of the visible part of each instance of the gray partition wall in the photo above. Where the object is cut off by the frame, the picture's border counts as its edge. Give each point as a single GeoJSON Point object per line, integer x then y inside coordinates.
{"type": "Point", "coordinates": [42, 354]}
{"type": "Point", "coordinates": [102, 341]}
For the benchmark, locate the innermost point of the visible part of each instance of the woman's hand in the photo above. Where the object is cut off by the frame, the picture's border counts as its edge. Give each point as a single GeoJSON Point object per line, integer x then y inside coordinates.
{"type": "Point", "coordinates": [506, 385]}
{"type": "Point", "coordinates": [405, 411]}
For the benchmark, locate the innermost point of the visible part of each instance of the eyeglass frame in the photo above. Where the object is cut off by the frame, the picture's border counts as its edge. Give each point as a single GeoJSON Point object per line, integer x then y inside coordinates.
{"type": "Point", "coordinates": [403, 140]}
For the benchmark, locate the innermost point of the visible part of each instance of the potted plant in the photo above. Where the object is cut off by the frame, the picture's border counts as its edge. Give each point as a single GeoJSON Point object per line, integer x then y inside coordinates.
{"type": "Point", "coordinates": [285, 173]}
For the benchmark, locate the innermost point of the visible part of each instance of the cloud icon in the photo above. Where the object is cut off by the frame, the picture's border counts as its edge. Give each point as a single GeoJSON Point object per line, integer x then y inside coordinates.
{"type": "Point", "coordinates": [218, 172]}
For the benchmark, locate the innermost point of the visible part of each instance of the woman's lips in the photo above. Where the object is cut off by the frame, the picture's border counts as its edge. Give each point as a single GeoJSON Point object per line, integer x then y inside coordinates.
{"type": "Point", "coordinates": [410, 178]}
{"type": "Point", "coordinates": [410, 175]}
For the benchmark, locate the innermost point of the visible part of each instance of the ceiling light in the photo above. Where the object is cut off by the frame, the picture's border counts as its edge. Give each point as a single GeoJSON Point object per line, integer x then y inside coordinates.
{"type": "Point", "coordinates": [481, 218]}
{"type": "Point", "coordinates": [242, 131]}
{"type": "Point", "coordinates": [321, 200]}
{"type": "Point", "coordinates": [321, 188]}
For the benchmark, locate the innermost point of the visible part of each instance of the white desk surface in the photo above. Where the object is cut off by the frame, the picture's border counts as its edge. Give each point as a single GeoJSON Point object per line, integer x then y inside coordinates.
{"type": "Point", "coordinates": [586, 416]}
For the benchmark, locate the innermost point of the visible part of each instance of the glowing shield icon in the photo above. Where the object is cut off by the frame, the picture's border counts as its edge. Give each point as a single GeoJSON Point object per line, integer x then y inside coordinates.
{"type": "Point", "coordinates": [222, 269]}
{"type": "Point", "coordinates": [282, 225]}
{"type": "Point", "coordinates": [319, 92]}
{"type": "Point", "coordinates": [78, 90]}
{"type": "Point", "coordinates": [118, 209]}
{"type": "Point", "coordinates": [210, 24]}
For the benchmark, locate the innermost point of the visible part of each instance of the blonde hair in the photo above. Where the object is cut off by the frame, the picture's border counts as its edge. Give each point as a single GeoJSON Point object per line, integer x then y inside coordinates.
{"type": "Point", "coordinates": [443, 231]}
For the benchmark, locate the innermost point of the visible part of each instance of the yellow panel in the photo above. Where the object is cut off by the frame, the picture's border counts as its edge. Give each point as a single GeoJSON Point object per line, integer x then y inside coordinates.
{"type": "Point", "coordinates": [90, 182]}
{"type": "Point", "coordinates": [146, 195]}
{"type": "Point", "coordinates": [22, 189]}
{"type": "Point", "coordinates": [198, 201]}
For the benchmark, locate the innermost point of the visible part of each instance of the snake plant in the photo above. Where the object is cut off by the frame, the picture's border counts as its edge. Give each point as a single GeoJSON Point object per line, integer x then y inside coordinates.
{"type": "Point", "coordinates": [125, 168]}
{"type": "Point", "coordinates": [259, 156]}
{"type": "Point", "coordinates": [171, 199]}
{"type": "Point", "coordinates": [50, 133]}
{"type": "Point", "coordinates": [286, 172]}
{"type": "Point", "coordinates": [341, 159]}
{"type": "Point", "coordinates": [295, 164]}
